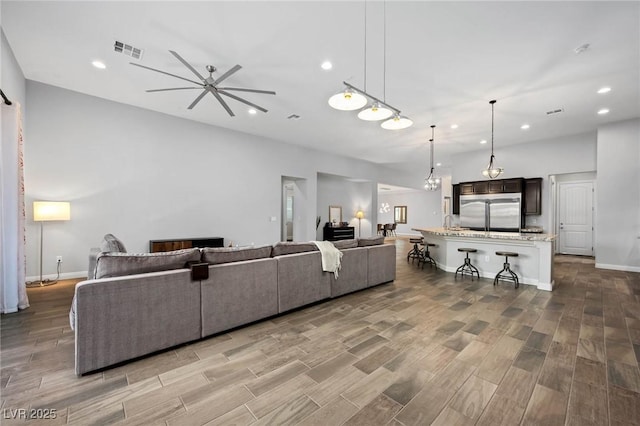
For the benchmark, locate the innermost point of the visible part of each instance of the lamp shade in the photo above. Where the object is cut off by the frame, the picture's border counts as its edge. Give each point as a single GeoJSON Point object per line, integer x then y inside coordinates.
{"type": "Point", "coordinates": [51, 210]}
{"type": "Point", "coordinates": [359, 214]}
{"type": "Point", "coordinates": [397, 122]}
{"type": "Point", "coordinates": [375, 112]}
{"type": "Point", "coordinates": [347, 100]}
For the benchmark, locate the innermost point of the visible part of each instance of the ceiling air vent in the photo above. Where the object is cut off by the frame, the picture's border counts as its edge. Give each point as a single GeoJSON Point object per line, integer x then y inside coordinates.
{"type": "Point", "coordinates": [127, 49]}
{"type": "Point", "coordinates": [555, 111]}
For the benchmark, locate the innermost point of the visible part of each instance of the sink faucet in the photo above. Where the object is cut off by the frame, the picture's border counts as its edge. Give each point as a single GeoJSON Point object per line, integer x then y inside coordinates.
{"type": "Point", "coordinates": [445, 221]}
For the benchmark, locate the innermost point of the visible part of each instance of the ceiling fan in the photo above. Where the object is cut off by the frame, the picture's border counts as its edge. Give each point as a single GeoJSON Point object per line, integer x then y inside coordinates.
{"type": "Point", "coordinates": [210, 85]}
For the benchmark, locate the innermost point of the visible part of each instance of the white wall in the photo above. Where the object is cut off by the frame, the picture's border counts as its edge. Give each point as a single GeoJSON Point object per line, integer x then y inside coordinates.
{"type": "Point", "coordinates": [142, 175]}
{"type": "Point", "coordinates": [568, 154]}
{"type": "Point", "coordinates": [424, 209]}
{"type": "Point", "coordinates": [618, 196]}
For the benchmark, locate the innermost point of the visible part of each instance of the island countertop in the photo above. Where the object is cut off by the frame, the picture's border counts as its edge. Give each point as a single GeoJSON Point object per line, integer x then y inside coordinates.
{"type": "Point", "coordinates": [466, 233]}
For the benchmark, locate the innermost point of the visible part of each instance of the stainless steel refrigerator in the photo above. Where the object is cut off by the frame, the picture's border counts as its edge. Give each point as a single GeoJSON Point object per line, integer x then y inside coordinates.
{"type": "Point", "coordinates": [491, 212]}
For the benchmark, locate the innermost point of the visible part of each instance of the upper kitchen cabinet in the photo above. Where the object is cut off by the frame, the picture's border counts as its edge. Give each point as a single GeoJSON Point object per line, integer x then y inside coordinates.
{"type": "Point", "coordinates": [533, 196]}
{"type": "Point", "coordinates": [505, 185]}
{"type": "Point", "coordinates": [466, 188]}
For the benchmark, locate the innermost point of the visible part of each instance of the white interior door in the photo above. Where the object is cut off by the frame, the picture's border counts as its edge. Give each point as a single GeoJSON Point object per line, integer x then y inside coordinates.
{"type": "Point", "coordinates": [575, 218]}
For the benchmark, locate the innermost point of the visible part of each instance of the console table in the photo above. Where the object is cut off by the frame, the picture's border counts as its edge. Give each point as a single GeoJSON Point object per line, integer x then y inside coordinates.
{"type": "Point", "coordinates": [184, 243]}
{"type": "Point", "coordinates": [338, 233]}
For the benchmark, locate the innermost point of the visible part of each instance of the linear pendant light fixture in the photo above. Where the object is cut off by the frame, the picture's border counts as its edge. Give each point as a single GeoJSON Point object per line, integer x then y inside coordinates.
{"type": "Point", "coordinates": [353, 98]}
{"type": "Point", "coordinates": [492, 171]}
{"type": "Point", "coordinates": [431, 182]}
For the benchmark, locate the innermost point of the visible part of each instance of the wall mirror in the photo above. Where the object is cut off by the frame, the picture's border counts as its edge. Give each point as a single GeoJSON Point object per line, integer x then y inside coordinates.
{"type": "Point", "coordinates": [400, 214]}
{"type": "Point", "coordinates": [335, 215]}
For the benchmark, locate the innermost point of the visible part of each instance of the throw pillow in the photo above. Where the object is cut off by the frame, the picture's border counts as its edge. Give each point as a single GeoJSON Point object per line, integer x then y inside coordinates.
{"type": "Point", "coordinates": [112, 244]}
{"type": "Point", "coordinates": [345, 244]}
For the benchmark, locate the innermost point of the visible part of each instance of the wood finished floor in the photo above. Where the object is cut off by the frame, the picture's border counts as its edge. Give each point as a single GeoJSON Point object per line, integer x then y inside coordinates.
{"type": "Point", "coordinates": [426, 349]}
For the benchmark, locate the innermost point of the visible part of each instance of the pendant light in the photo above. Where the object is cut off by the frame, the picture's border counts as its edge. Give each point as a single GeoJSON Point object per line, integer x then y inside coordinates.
{"type": "Point", "coordinates": [353, 98]}
{"type": "Point", "coordinates": [431, 182]}
{"type": "Point", "coordinates": [397, 122]}
{"type": "Point", "coordinates": [492, 171]}
{"type": "Point", "coordinates": [347, 100]}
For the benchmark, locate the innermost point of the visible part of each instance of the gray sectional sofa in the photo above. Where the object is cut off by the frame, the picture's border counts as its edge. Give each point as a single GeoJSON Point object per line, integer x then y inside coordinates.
{"type": "Point", "coordinates": [136, 304]}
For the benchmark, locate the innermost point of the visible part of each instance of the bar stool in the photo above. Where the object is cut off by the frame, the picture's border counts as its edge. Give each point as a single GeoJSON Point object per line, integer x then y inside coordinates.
{"type": "Point", "coordinates": [506, 273]}
{"type": "Point", "coordinates": [467, 267]}
{"type": "Point", "coordinates": [426, 256]}
{"type": "Point", "coordinates": [415, 252]}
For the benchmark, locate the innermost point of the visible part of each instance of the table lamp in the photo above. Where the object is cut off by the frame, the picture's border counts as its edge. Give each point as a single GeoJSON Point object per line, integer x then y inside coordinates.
{"type": "Point", "coordinates": [45, 211]}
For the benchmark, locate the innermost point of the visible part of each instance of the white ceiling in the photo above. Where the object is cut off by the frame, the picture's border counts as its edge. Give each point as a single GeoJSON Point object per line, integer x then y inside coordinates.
{"type": "Point", "coordinates": [444, 62]}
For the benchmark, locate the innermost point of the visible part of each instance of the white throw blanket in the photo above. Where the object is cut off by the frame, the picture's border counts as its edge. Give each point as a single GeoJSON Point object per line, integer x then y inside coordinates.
{"type": "Point", "coordinates": [331, 257]}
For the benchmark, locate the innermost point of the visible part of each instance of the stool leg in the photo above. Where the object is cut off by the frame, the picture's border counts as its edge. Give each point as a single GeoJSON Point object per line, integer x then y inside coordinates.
{"type": "Point", "coordinates": [506, 269]}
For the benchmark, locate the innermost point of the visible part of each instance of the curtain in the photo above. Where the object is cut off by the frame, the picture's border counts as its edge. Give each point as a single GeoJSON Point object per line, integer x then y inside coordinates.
{"type": "Point", "coordinates": [13, 290]}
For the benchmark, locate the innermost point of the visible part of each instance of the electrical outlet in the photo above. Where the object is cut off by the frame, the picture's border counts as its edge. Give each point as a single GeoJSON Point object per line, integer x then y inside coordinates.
{"type": "Point", "coordinates": [486, 258]}
{"type": "Point", "coordinates": [58, 259]}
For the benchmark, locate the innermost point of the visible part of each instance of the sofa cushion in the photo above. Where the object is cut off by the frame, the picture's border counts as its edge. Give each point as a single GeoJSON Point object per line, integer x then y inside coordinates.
{"type": "Point", "coordinates": [112, 244]}
{"type": "Point", "coordinates": [217, 255]}
{"type": "Point", "coordinates": [346, 244]}
{"type": "Point", "coordinates": [290, 248]}
{"type": "Point", "coordinates": [119, 264]}
{"type": "Point", "coordinates": [370, 241]}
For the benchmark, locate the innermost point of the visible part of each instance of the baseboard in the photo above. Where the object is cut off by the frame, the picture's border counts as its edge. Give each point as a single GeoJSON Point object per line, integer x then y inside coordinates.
{"type": "Point", "coordinates": [625, 268]}
{"type": "Point", "coordinates": [63, 276]}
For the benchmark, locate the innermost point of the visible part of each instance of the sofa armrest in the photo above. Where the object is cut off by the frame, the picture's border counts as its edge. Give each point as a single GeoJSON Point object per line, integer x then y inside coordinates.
{"type": "Point", "coordinates": [121, 318]}
{"type": "Point", "coordinates": [93, 256]}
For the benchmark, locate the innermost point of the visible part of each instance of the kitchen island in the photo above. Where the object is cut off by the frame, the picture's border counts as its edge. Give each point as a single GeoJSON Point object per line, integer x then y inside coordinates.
{"type": "Point", "coordinates": [534, 265]}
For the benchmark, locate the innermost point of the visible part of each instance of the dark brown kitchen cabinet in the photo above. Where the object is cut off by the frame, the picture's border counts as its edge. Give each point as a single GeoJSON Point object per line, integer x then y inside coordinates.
{"type": "Point", "coordinates": [512, 185]}
{"type": "Point", "coordinates": [533, 196]}
{"type": "Point", "coordinates": [481, 187]}
{"type": "Point", "coordinates": [466, 188]}
{"type": "Point", "coordinates": [505, 185]}
{"type": "Point", "coordinates": [455, 209]}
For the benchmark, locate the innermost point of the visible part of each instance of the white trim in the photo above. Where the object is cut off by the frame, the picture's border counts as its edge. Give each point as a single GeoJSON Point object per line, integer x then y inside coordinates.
{"type": "Point", "coordinates": [625, 268]}
{"type": "Point", "coordinates": [63, 276]}
{"type": "Point", "coordinates": [491, 276]}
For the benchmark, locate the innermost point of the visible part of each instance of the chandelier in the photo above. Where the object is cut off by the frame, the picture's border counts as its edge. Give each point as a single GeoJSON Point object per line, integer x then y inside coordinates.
{"type": "Point", "coordinates": [431, 182]}
{"type": "Point", "coordinates": [492, 171]}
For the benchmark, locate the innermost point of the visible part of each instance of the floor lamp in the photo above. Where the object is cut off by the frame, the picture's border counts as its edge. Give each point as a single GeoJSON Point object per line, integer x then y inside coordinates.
{"type": "Point", "coordinates": [359, 216]}
{"type": "Point", "coordinates": [46, 211]}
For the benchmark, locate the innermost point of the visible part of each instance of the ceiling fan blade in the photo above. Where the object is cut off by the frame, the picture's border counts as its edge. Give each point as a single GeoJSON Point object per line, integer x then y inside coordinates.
{"type": "Point", "coordinates": [244, 101]}
{"type": "Point", "coordinates": [266, 92]}
{"type": "Point", "coordinates": [186, 64]}
{"type": "Point", "coordinates": [200, 96]}
{"type": "Point", "coordinates": [173, 88]}
{"type": "Point", "coordinates": [235, 69]}
{"type": "Point", "coordinates": [163, 72]}
{"type": "Point", "coordinates": [222, 102]}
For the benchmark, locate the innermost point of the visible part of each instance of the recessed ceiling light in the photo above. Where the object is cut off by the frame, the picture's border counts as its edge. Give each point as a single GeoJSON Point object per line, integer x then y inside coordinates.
{"type": "Point", "coordinates": [604, 90]}
{"type": "Point", "coordinates": [438, 164]}
{"type": "Point", "coordinates": [99, 64]}
{"type": "Point", "coordinates": [525, 126]}
{"type": "Point", "coordinates": [253, 111]}
{"type": "Point", "coordinates": [483, 141]}
{"type": "Point", "coordinates": [454, 126]}
{"type": "Point", "coordinates": [326, 65]}
{"type": "Point", "coordinates": [603, 111]}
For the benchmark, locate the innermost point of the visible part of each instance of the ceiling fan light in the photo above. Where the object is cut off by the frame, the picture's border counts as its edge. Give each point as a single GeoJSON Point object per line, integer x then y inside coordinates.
{"type": "Point", "coordinates": [397, 122]}
{"type": "Point", "coordinates": [375, 112]}
{"type": "Point", "coordinates": [348, 100]}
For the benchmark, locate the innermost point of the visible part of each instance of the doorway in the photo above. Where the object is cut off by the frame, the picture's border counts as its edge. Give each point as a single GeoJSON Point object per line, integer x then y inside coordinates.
{"type": "Point", "coordinates": [575, 209]}
{"type": "Point", "coordinates": [293, 210]}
